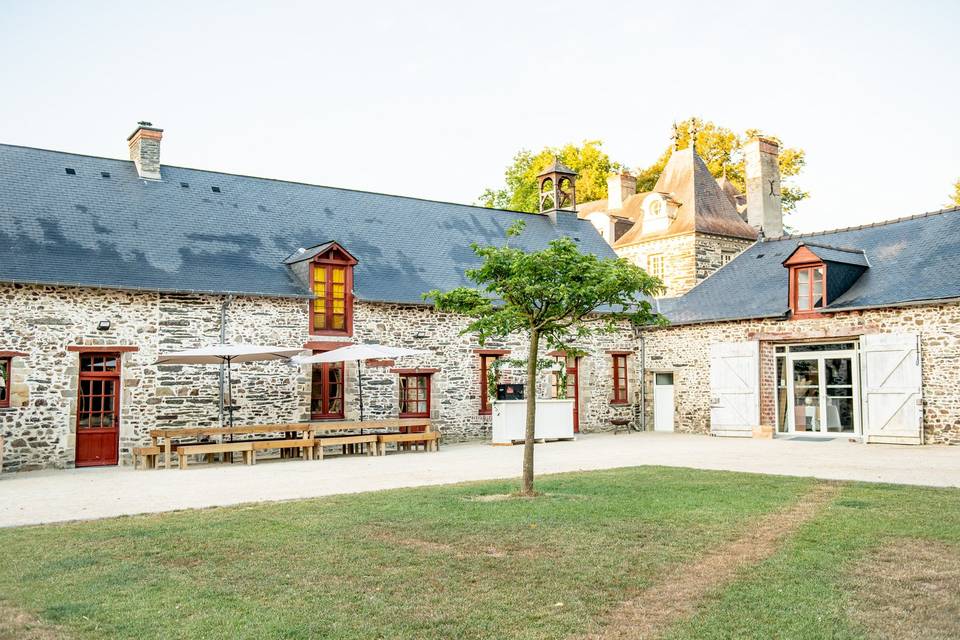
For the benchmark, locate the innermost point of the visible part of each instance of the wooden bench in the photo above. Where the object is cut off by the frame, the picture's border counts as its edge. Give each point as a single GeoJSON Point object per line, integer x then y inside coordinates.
{"type": "Point", "coordinates": [306, 444]}
{"type": "Point", "coordinates": [429, 439]}
{"type": "Point", "coordinates": [148, 455]}
{"type": "Point", "coordinates": [246, 448]}
{"type": "Point", "coordinates": [368, 439]}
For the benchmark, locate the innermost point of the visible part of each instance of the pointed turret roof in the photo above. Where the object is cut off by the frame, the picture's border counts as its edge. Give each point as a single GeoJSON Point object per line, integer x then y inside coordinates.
{"type": "Point", "coordinates": [557, 167]}
{"type": "Point", "coordinates": [704, 206]}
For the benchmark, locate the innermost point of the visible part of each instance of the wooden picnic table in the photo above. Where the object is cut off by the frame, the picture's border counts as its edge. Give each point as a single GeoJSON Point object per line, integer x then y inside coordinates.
{"type": "Point", "coordinates": [307, 429]}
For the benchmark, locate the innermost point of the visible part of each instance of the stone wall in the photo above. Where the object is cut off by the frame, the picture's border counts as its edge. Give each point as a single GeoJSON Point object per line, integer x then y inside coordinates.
{"type": "Point", "coordinates": [685, 350]}
{"type": "Point", "coordinates": [679, 260]}
{"type": "Point", "coordinates": [40, 426]}
{"type": "Point", "coordinates": [687, 259]}
{"type": "Point", "coordinates": [711, 249]}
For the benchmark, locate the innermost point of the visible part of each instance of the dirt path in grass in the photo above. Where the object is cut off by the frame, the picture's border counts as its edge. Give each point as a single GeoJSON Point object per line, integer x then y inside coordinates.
{"type": "Point", "coordinates": [16, 624]}
{"type": "Point", "coordinates": [678, 594]}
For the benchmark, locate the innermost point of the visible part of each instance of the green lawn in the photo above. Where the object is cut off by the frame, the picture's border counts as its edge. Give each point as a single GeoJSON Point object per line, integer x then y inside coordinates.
{"type": "Point", "coordinates": [440, 563]}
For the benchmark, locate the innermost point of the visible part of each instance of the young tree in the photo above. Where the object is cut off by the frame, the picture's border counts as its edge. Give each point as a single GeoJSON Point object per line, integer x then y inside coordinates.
{"type": "Point", "coordinates": [721, 150]}
{"type": "Point", "coordinates": [557, 294]}
{"type": "Point", "coordinates": [955, 197]}
{"type": "Point", "coordinates": [519, 193]}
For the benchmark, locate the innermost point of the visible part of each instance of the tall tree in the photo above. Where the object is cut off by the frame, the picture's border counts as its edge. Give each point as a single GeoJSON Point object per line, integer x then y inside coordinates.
{"type": "Point", "coordinates": [955, 198]}
{"type": "Point", "coordinates": [552, 295]}
{"type": "Point", "coordinates": [519, 192]}
{"type": "Point", "coordinates": [722, 152]}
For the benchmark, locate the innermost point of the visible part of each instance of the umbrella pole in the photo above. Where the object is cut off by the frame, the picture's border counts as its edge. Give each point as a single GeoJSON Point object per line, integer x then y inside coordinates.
{"type": "Point", "coordinates": [230, 392]}
{"type": "Point", "coordinates": [360, 380]}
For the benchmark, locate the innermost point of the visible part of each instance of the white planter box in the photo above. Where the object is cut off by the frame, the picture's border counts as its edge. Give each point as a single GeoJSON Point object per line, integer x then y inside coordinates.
{"type": "Point", "coordinates": [554, 420]}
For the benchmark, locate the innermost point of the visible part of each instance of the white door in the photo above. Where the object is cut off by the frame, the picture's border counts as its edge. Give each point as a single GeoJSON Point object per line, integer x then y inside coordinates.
{"type": "Point", "coordinates": [663, 402]}
{"type": "Point", "coordinates": [734, 388]}
{"type": "Point", "coordinates": [892, 397]}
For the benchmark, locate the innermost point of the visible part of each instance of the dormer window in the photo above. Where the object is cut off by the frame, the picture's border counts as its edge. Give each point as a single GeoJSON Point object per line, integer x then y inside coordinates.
{"type": "Point", "coordinates": [809, 289]}
{"type": "Point", "coordinates": [331, 311]}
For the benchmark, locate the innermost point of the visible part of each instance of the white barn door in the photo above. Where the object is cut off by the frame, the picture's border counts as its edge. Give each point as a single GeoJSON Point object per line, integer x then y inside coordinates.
{"type": "Point", "coordinates": [892, 391]}
{"type": "Point", "coordinates": [734, 388]}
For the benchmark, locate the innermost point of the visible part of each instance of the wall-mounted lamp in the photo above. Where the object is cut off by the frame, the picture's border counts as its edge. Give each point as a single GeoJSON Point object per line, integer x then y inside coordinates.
{"type": "Point", "coordinates": [103, 325]}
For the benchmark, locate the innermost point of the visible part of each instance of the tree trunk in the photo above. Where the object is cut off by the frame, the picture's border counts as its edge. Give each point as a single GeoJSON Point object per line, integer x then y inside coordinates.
{"type": "Point", "coordinates": [531, 396]}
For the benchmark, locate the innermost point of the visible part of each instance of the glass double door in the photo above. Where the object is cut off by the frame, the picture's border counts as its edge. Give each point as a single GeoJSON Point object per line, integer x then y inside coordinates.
{"type": "Point", "coordinates": [824, 394]}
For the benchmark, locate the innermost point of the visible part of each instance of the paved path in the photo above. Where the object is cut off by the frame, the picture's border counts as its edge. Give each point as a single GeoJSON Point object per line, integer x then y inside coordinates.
{"type": "Point", "coordinates": [82, 494]}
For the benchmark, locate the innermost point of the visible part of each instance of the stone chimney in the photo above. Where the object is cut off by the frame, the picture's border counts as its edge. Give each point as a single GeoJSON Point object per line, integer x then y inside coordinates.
{"type": "Point", "coordinates": [764, 210]}
{"type": "Point", "coordinates": [145, 150]}
{"type": "Point", "coordinates": [620, 186]}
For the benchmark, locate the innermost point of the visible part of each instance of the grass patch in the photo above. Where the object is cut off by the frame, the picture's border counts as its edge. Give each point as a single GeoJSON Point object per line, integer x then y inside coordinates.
{"type": "Point", "coordinates": [450, 561]}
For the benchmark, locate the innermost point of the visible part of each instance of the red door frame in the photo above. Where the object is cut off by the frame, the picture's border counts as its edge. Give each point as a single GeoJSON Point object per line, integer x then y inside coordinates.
{"type": "Point", "coordinates": [99, 446]}
{"type": "Point", "coordinates": [573, 374]}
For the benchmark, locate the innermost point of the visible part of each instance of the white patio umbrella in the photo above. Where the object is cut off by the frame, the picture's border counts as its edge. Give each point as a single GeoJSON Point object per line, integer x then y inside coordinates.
{"type": "Point", "coordinates": [228, 354]}
{"type": "Point", "coordinates": [360, 352]}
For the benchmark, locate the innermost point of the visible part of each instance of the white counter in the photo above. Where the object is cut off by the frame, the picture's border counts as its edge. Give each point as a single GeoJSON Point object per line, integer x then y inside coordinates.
{"type": "Point", "coordinates": [554, 420]}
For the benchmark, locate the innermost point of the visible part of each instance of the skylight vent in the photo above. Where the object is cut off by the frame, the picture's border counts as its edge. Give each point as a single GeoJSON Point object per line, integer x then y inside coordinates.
{"type": "Point", "coordinates": [185, 185]}
{"type": "Point", "coordinates": [71, 172]}
{"type": "Point", "coordinates": [104, 174]}
{"type": "Point", "coordinates": [215, 189]}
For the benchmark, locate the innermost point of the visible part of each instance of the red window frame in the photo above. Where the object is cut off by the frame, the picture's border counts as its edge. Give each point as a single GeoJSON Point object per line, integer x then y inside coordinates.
{"type": "Point", "coordinates": [620, 380]}
{"type": "Point", "coordinates": [323, 369]}
{"type": "Point", "coordinates": [795, 293]}
{"type": "Point", "coordinates": [486, 359]}
{"type": "Point", "coordinates": [415, 395]}
{"type": "Point", "coordinates": [327, 317]}
{"type": "Point", "coordinates": [6, 366]}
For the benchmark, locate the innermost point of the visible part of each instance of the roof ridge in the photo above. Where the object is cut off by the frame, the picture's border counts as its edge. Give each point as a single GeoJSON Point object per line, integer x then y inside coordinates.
{"type": "Point", "coordinates": [880, 223]}
{"type": "Point", "coordinates": [295, 182]}
{"type": "Point", "coordinates": [828, 246]}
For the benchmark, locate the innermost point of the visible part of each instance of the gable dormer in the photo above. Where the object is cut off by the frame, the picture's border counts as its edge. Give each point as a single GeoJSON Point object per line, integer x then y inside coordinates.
{"type": "Point", "coordinates": [327, 269]}
{"type": "Point", "coordinates": [659, 211]}
{"type": "Point", "coordinates": [820, 274]}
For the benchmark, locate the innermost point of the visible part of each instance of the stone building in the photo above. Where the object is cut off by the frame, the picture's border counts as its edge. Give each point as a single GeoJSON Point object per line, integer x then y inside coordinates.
{"type": "Point", "coordinates": [852, 333]}
{"type": "Point", "coordinates": [105, 264]}
{"type": "Point", "coordinates": [691, 224]}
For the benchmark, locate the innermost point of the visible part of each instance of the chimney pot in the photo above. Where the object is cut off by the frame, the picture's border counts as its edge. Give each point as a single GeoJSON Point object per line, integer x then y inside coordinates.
{"type": "Point", "coordinates": [764, 207]}
{"type": "Point", "coordinates": [144, 145]}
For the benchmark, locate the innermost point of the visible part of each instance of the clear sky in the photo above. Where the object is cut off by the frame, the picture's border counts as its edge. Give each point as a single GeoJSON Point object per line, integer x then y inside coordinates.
{"type": "Point", "coordinates": [432, 99]}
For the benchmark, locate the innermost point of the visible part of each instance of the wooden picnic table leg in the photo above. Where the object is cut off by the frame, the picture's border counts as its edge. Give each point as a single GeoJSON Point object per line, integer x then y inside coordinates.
{"type": "Point", "coordinates": [166, 453]}
{"type": "Point", "coordinates": [183, 461]}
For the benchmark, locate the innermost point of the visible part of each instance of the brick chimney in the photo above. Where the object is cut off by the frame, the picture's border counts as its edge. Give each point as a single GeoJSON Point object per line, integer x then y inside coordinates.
{"type": "Point", "coordinates": [620, 186]}
{"type": "Point", "coordinates": [145, 150]}
{"type": "Point", "coordinates": [764, 211]}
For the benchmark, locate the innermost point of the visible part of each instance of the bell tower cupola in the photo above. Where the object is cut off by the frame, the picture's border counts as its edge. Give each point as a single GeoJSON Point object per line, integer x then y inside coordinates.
{"type": "Point", "coordinates": [557, 187]}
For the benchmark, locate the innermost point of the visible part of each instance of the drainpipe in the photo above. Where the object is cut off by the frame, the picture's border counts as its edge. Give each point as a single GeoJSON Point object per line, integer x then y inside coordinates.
{"type": "Point", "coordinates": [643, 383]}
{"type": "Point", "coordinates": [223, 340]}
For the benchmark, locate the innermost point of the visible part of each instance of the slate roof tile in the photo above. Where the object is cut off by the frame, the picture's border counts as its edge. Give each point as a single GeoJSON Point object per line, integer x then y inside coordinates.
{"type": "Point", "coordinates": [127, 233]}
{"type": "Point", "coordinates": [911, 260]}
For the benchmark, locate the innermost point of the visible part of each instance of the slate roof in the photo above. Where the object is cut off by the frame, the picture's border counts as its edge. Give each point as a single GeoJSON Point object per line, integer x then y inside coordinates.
{"type": "Point", "coordinates": [837, 254]}
{"type": "Point", "coordinates": [704, 207]}
{"type": "Point", "coordinates": [557, 167]}
{"type": "Point", "coordinates": [911, 260]}
{"type": "Point", "coordinates": [126, 233]}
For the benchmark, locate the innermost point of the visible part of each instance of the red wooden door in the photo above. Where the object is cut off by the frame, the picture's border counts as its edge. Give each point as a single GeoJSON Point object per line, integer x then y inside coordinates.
{"type": "Point", "coordinates": [98, 410]}
{"type": "Point", "coordinates": [573, 386]}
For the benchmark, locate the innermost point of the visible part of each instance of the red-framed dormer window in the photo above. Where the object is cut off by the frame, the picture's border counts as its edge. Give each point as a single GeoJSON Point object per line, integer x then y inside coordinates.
{"type": "Point", "coordinates": [331, 310]}
{"type": "Point", "coordinates": [808, 283]}
{"type": "Point", "coordinates": [809, 288]}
